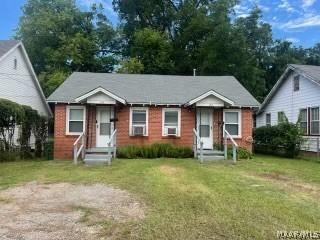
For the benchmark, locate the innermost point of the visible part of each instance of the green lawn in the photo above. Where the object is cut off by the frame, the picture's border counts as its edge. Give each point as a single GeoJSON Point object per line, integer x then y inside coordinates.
{"type": "Point", "coordinates": [187, 200]}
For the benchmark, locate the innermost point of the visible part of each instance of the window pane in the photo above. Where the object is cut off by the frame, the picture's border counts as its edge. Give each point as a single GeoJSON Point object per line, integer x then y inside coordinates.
{"type": "Point", "coordinates": [314, 127]}
{"type": "Point", "coordinates": [204, 131]}
{"type": "Point", "coordinates": [303, 127]}
{"type": "Point", "coordinates": [268, 119]}
{"type": "Point", "coordinates": [232, 129]}
{"type": "Point", "coordinates": [139, 116]}
{"type": "Point", "coordinates": [171, 118]}
{"type": "Point", "coordinates": [76, 114]}
{"type": "Point", "coordinates": [231, 117]}
{"type": "Point", "coordinates": [105, 129]}
{"type": "Point", "coordinates": [75, 126]}
{"type": "Point", "coordinates": [296, 83]}
{"type": "Point", "coordinates": [303, 115]}
{"type": "Point", "coordinates": [314, 114]}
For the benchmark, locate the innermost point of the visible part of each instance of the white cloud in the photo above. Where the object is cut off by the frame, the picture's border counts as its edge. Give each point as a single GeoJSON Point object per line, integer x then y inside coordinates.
{"type": "Point", "coordinates": [293, 40]}
{"type": "Point", "coordinates": [286, 6]}
{"type": "Point", "coordinates": [302, 22]}
{"type": "Point", "coordinates": [307, 3]}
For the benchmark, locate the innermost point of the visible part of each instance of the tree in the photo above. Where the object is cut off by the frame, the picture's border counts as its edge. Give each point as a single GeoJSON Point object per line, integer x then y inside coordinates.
{"type": "Point", "coordinates": [131, 65]}
{"type": "Point", "coordinates": [60, 38]}
{"type": "Point", "coordinates": [282, 54]}
{"type": "Point", "coordinates": [154, 50]}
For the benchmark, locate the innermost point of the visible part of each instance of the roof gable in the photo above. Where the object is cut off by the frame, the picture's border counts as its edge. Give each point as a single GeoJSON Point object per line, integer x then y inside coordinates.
{"type": "Point", "coordinates": [97, 91]}
{"type": "Point", "coordinates": [208, 94]}
{"type": "Point", "coordinates": [309, 72]}
{"type": "Point", "coordinates": [6, 46]}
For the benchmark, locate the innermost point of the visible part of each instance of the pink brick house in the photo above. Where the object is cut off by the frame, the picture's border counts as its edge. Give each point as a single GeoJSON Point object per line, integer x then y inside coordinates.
{"type": "Point", "coordinates": [96, 112]}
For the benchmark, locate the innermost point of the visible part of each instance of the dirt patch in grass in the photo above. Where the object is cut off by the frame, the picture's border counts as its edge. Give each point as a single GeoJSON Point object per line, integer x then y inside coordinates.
{"type": "Point", "coordinates": [170, 170]}
{"type": "Point", "coordinates": [290, 183]}
{"type": "Point", "coordinates": [64, 211]}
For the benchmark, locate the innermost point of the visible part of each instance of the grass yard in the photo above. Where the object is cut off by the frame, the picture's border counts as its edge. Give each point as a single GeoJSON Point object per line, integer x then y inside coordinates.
{"type": "Point", "coordinates": [187, 200]}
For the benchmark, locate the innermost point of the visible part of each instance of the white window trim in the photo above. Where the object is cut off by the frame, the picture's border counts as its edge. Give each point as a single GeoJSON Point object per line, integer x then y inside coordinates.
{"type": "Point", "coordinates": [164, 110]}
{"type": "Point", "coordinates": [307, 119]}
{"type": "Point", "coordinates": [239, 124]}
{"type": "Point", "coordinates": [296, 78]}
{"type": "Point", "coordinates": [147, 119]}
{"type": "Point", "coordinates": [68, 108]}
{"type": "Point", "coordinates": [270, 119]}
{"type": "Point", "coordinates": [314, 134]}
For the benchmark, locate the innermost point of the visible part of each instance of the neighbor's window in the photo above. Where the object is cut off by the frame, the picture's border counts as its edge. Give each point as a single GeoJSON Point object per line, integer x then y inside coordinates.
{"type": "Point", "coordinates": [296, 83]}
{"type": "Point", "coordinates": [232, 122]}
{"type": "Point", "coordinates": [304, 120]}
{"type": "Point", "coordinates": [314, 121]}
{"type": "Point", "coordinates": [139, 121]}
{"type": "Point", "coordinates": [268, 119]}
{"type": "Point", "coordinates": [171, 121]}
{"type": "Point", "coordinates": [75, 119]}
{"type": "Point", "coordinates": [281, 117]}
{"type": "Point", "coordinates": [15, 63]}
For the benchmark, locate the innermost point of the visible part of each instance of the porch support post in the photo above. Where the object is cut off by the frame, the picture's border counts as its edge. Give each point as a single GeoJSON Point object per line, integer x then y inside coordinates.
{"type": "Point", "coordinates": [201, 152]}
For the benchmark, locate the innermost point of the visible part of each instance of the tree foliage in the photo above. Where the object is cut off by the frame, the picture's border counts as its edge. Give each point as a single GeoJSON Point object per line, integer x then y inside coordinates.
{"type": "Point", "coordinates": [60, 38]}
{"type": "Point", "coordinates": [157, 37]}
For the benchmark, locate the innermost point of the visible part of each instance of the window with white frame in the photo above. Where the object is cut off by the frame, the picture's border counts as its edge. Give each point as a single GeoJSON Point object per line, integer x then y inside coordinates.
{"type": "Point", "coordinates": [314, 121]}
{"type": "Point", "coordinates": [139, 122]}
{"type": "Point", "coordinates": [171, 121]}
{"type": "Point", "coordinates": [232, 122]}
{"type": "Point", "coordinates": [75, 119]}
{"type": "Point", "coordinates": [268, 119]}
{"type": "Point", "coordinates": [296, 83]}
{"type": "Point", "coordinates": [303, 118]}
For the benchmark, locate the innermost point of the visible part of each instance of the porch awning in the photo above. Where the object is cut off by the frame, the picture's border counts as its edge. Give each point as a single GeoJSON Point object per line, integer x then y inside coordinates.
{"type": "Point", "coordinates": [100, 95]}
{"type": "Point", "coordinates": [211, 99]}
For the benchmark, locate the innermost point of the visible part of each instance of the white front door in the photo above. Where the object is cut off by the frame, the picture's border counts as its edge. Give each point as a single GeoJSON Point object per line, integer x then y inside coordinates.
{"type": "Point", "coordinates": [204, 127]}
{"type": "Point", "coordinates": [104, 127]}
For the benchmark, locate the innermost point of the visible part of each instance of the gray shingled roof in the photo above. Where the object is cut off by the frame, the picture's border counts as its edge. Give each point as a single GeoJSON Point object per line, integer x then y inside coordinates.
{"type": "Point", "coordinates": [6, 45]}
{"type": "Point", "coordinates": [157, 89]}
{"type": "Point", "coordinates": [309, 70]}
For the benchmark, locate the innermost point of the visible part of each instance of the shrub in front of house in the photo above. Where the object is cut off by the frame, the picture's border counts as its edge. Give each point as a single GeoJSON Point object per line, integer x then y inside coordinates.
{"type": "Point", "coordinates": [283, 139]}
{"type": "Point", "coordinates": [14, 116]}
{"type": "Point", "coordinates": [155, 150]}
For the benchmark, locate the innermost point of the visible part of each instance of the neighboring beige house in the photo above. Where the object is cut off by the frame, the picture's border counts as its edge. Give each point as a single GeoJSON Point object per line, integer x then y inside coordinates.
{"type": "Point", "coordinates": [18, 81]}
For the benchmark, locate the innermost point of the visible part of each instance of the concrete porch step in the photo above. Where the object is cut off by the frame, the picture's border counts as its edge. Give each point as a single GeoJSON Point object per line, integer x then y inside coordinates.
{"type": "Point", "coordinates": [210, 152]}
{"type": "Point", "coordinates": [99, 150]}
{"type": "Point", "coordinates": [97, 159]}
{"type": "Point", "coordinates": [212, 157]}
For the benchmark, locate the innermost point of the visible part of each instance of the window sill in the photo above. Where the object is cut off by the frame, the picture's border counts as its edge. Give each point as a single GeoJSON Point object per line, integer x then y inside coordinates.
{"type": "Point", "coordinates": [73, 134]}
{"type": "Point", "coordinates": [171, 137]}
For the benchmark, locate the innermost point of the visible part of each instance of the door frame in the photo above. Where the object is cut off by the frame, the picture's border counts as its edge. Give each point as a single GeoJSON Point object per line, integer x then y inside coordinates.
{"type": "Point", "coordinates": [97, 122]}
{"type": "Point", "coordinates": [209, 143]}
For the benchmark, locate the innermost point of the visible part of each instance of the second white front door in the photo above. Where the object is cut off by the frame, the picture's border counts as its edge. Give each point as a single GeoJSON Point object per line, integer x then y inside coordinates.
{"type": "Point", "coordinates": [204, 127]}
{"type": "Point", "coordinates": [104, 127]}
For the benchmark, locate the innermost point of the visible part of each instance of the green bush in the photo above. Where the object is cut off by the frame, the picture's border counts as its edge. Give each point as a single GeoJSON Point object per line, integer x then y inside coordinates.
{"type": "Point", "coordinates": [155, 150]}
{"type": "Point", "coordinates": [283, 139]}
{"type": "Point", "coordinates": [244, 153]}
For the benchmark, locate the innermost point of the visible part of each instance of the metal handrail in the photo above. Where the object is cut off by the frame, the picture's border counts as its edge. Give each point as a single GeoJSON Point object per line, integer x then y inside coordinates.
{"type": "Point", "coordinates": [113, 141]}
{"type": "Point", "coordinates": [234, 146]}
{"type": "Point", "coordinates": [76, 151]}
{"type": "Point", "coordinates": [196, 142]}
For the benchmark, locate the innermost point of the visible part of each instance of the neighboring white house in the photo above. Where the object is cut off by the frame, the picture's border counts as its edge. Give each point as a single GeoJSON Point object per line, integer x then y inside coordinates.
{"type": "Point", "coordinates": [297, 93]}
{"type": "Point", "coordinates": [18, 81]}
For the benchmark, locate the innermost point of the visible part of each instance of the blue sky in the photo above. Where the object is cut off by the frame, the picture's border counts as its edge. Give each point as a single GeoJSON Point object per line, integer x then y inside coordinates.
{"type": "Point", "coordinates": [295, 20]}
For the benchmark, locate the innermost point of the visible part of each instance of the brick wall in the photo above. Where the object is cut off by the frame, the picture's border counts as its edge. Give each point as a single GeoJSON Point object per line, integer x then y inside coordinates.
{"type": "Point", "coordinates": [63, 144]}
{"type": "Point", "coordinates": [155, 128]}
